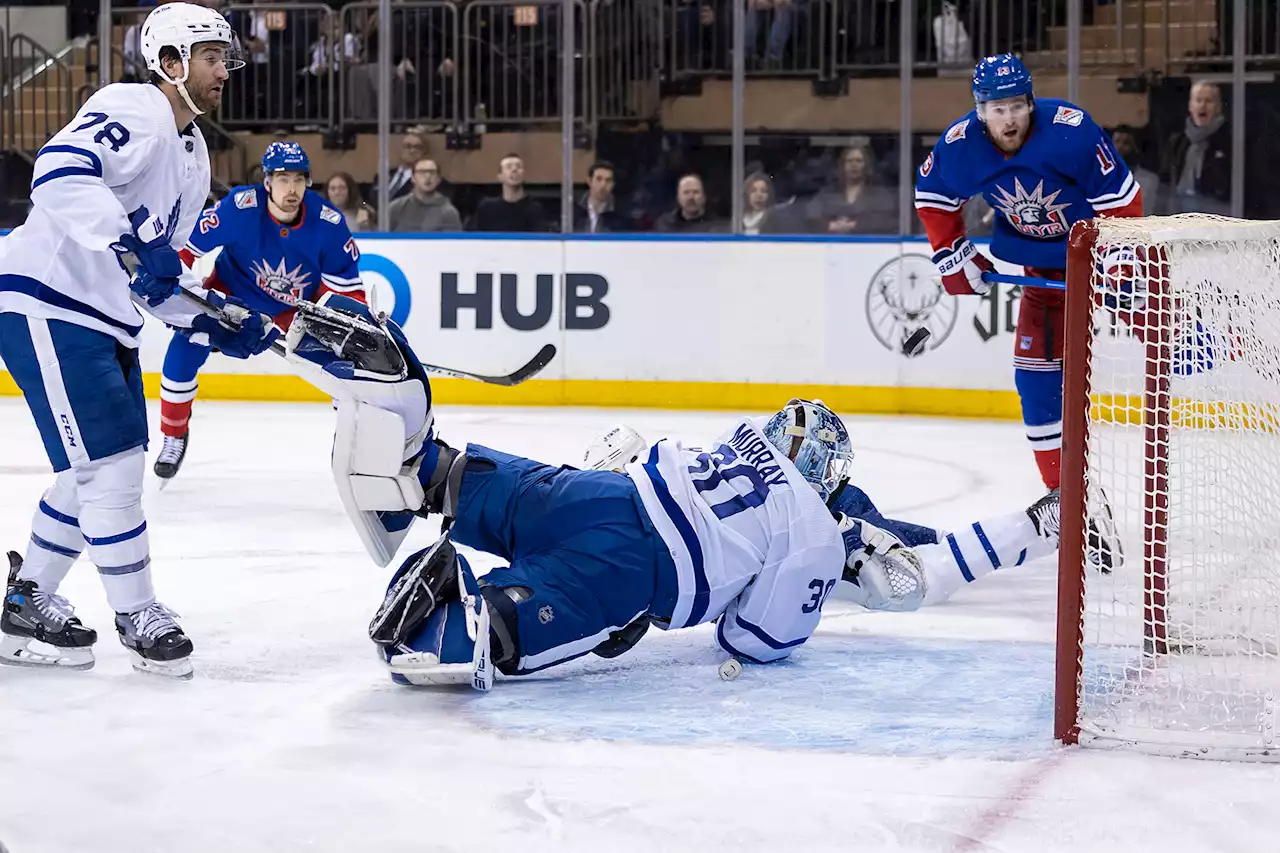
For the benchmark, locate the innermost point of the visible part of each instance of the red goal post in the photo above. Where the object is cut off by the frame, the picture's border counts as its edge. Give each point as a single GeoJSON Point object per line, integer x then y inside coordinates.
{"type": "Point", "coordinates": [1171, 467]}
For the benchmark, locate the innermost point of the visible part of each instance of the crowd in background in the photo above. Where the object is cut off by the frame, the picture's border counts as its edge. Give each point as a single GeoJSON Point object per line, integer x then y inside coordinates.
{"type": "Point", "coordinates": [654, 182]}
{"type": "Point", "coordinates": [1190, 171]}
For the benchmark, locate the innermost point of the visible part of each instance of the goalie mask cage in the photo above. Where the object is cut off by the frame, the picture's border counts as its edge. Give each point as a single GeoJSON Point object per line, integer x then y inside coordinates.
{"type": "Point", "coordinates": [1171, 467]}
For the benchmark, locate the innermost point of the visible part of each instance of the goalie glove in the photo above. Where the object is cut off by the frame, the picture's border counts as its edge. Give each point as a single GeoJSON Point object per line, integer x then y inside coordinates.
{"type": "Point", "coordinates": [886, 573]}
{"type": "Point", "coordinates": [961, 266]}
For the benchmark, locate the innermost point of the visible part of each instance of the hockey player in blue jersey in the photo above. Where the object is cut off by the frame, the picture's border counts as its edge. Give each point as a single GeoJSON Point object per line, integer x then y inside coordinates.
{"type": "Point", "coordinates": [281, 243]}
{"type": "Point", "coordinates": [893, 564]}
{"type": "Point", "coordinates": [1043, 165]}
{"type": "Point", "coordinates": [113, 196]}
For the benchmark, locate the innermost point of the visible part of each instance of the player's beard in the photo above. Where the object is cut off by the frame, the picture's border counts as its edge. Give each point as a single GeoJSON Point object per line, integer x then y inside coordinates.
{"type": "Point", "coordinates": [207, 97]}
{"type": "Point", "coordinates": [287, 207]}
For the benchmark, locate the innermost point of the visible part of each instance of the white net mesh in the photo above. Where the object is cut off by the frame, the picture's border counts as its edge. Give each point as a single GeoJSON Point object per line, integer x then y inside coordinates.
{"type": "Point", "coordinates": [1181, 639]}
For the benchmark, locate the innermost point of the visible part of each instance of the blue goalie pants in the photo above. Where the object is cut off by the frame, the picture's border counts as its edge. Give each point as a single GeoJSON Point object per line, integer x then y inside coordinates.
{"type": "Point", "coordinates": [580, 542]}
{"type": "Point", "coordinates": [84, 388]}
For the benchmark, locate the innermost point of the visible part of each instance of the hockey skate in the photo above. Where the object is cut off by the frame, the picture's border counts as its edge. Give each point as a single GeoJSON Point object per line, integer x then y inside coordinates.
{"type": "Point", "coordinates": [1102, 540]}
{"type": "Point", "coordinates": [41, 629]}
{"type": "Point", "coordinates": [1046, 515]}
{"type": "Point", "coordinates": [155, 641]}
{"type": "Point", "coordinates": [171, 456]}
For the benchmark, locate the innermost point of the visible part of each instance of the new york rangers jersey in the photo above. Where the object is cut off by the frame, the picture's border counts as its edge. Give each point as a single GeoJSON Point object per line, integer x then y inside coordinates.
{"type": "Point", "coordinates": [122, 154]}
{"type": "Point", "coordinates": [752, 542]}
{"type": "Point", "coordinates": [1066, 171]}
{"type": "Point", "coordinates": [272, 266]}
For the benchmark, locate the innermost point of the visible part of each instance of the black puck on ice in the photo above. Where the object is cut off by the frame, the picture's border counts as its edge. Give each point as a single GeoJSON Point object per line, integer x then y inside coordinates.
{"type": "Point", "coordinates": [914, 344]}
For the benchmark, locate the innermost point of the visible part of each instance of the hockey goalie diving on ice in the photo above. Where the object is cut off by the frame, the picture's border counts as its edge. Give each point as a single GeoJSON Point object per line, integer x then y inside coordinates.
{"type": "Point", "coordinates": [752, 534]}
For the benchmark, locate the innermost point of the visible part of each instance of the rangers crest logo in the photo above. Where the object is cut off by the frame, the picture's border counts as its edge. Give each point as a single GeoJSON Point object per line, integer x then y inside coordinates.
{"type": "Point", "coordinates": [246, 199]}
{"type": "Point", "coordinates": [328, 214]}
{"type": "Point", "coordinates": [1068, 116]}
{"type": "Point", "coordinates": [957, 131]}
{"type": "Point", "coordinates": [287, 286]}
{"type": "Point", "coordinates": [1033, 213]}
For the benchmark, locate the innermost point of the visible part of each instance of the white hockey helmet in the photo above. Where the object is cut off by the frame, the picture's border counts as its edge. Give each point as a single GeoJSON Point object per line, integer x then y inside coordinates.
{"type": "Point", "coordinates": [182, 26]}
{"type": "Point", "coordinates": [614, 449]}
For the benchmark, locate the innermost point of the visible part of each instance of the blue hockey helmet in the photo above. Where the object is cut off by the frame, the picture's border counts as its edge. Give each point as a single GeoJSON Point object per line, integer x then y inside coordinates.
{"type": "Point", "coordinates": [814, 438]}
{"type": "Point", "coordinates": [285, 157]}
{"type": "Point", "coordinates": [1003, 76]}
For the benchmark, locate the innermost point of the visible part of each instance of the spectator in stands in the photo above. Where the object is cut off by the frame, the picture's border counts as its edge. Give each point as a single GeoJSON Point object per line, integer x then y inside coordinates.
{"type": "Point", "coordinates": [690, 215]}
{"type": "Point", "coordinates": [779, 32]}
{"type": "Point", "coordinates": [345, 195]}
{"type": "Point", "coordinates": [854, 203]}
{"type": "Point", "coordinates": [1196, 163]}
{"type": "Point", "coordinates": [595, 213]}
{"type": "Point", "coordinates": [424, 209]}
{"type": "Point", "coordinates": [757, 217]}
{"type": "Point", "coordinates": [702, 30]}
{"type": "Point", "coordinates": [1126, 142]}
{"type": "Point", "coordinates": [515, 210]}
{"type": "Point", "coordinates": [413, 147]}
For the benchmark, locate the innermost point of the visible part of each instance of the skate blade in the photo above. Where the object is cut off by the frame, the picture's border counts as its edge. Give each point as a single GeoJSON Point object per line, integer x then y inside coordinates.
{"type": "Point", "coordinates": [423, 669]}
{"type": "Point", "coordinates": [25, 651]}
{"type": "Point", "coordinates": [180, 669]}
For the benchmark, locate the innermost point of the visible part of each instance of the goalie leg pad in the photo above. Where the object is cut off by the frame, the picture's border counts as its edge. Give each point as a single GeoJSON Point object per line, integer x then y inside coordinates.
{"type": "Point", "coordinates": [450, 644]}
{"type": "Point", "coordinates": [424, 581]}
{"type": "Point", "coordinates": [379, 491]}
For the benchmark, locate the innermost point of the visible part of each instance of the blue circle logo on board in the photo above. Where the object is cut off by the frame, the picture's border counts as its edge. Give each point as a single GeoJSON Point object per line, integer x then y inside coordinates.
{"type": "Point", "coordinates": [383, 266]}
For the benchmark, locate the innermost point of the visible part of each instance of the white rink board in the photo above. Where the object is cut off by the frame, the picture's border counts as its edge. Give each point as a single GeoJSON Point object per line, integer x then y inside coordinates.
{"type": "Point", "coordinates": [689, 311]}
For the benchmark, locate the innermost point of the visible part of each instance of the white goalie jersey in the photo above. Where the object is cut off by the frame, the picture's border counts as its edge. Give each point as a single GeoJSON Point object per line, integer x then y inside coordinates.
{"type": "Point", "coordinates": [121, 156]}
{"type": "Point", "coordinates": [753, 543]}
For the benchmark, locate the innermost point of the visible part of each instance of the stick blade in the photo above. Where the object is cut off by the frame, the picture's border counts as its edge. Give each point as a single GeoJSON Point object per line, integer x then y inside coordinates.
{"type": "Point", "coordinates": [533, 367]}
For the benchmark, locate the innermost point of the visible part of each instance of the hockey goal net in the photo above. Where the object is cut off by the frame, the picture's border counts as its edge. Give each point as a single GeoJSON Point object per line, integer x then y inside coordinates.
{"type": "Point", "coordinates": [1171, 476]}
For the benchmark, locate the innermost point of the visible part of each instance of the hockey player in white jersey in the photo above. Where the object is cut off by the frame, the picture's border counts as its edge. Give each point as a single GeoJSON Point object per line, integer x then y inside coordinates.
{"type": "Point", "coordinates": [892, 564]}
{"type": "Point", "coordinates": [114, 196]}
{"type": "Point", "coordinates": [740, 535]}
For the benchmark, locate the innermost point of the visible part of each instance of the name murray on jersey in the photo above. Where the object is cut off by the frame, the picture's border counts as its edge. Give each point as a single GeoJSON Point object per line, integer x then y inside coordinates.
{"type": "Point", "coordinates": [751, 447]}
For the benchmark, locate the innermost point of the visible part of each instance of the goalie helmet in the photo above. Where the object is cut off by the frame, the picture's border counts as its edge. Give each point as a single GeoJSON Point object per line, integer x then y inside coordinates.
{"type": "Point", "coordinates": [182, 26]}
{"type": "Point", "coordinates": [814, 438]}
{"type": "Point", "coordinates": [615, 449]}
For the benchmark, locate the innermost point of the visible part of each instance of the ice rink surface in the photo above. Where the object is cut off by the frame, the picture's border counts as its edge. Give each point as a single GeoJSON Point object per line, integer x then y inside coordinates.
{"type": "Point", "coordinates": [928, 731]}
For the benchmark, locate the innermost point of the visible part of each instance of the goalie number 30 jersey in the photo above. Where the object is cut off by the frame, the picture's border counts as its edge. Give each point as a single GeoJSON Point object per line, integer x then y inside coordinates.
{"type": "Point", "coordinates": [752, 542]}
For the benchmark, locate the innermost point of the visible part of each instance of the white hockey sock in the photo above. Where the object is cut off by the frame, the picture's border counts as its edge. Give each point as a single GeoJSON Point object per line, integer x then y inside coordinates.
{"type": "Point", "coordinates": [972, 552]}
{"type": "Point", "coordinates": [115, 529]}
{"type": "Point", "coordinates": [56, 540]}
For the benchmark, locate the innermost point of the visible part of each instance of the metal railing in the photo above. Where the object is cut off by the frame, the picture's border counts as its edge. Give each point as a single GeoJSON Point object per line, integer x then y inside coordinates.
{"type": "Point", "coordinates": [512, 61]}
{"type": "Point", "coordinates": [38, 94]}
{"type": "Point", "coordinates": [425, 59]}
{"type": "Point", "coordinates": [288, 77]}
{"type": "Point", "coordinates": [625, 58]}
{"type": "Point", "coordinates": [783, 38]}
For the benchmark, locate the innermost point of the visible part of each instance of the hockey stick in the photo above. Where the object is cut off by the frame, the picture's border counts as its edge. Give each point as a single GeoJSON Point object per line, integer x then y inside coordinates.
{"type": "Point", "coordinates": [1023, 280]}
{"type": "Point", "coordinates": [235, 314]}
